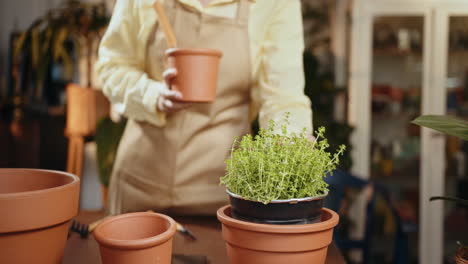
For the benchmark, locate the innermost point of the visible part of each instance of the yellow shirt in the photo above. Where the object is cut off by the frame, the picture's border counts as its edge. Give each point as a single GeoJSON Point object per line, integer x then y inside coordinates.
{"type": "Point", "coordinates": [276, 47]}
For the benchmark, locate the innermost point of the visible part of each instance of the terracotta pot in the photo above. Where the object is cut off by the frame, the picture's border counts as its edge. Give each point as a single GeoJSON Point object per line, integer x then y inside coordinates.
{"type": "Point", "coordinates": [104, 191]}
{"type": "Point", "coordinates": [461, 256]}
{"type": "Point", "coordinates": [279, 212]}
{"type": "Point", "coordinates": [85, 107]}
{"type": "Point", "coordinates": [35, 208]}
{"type": "Point", "coordinates": [136, 238]}
{"type": "Point", "coordinates": [252, 243]}
{"type": "Point", "coordinates": [197, 73]}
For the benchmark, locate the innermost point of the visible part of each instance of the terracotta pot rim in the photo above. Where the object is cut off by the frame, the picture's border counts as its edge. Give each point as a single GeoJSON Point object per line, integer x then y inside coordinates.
{"type": "Point", "coordinates": [224, 216]}
{"type": "Point", "coordinates": [75, 180]}
{"type": "Point", "coordinates": [193, 51]}
{"type": "Point", "coordinates": [31, 210]}
{"type": "Point", "coordinates": [136, 243]}
{"type": "Point", "coordinates": [293, 200]}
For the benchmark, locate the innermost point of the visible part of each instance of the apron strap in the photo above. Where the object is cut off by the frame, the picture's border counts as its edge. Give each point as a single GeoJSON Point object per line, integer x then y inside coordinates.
{"type": "Point", "coordinates": [243, 9]}
{"type": "Point", "coordinates": [171, 3]}
{"type": "Point", "coordinates": [243, 12]}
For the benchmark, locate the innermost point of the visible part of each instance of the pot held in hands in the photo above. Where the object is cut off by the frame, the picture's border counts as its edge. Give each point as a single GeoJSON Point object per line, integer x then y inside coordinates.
{"type": "Point", "coordinates": [197, 73]}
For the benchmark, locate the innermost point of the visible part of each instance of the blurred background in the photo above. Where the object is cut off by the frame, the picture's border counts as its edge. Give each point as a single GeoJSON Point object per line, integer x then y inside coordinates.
{"type": "Point", "coordinates": [371, 67]}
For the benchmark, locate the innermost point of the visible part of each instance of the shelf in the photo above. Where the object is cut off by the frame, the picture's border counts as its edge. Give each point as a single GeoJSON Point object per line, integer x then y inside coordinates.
{"type": "Point", "coordinates": [405, 176]}
{"type": "Point", "coordinates": [403, 182]}
{"type": "Point", "coordinates": [396, 52]}
{"type": "Point", "coordinates": [401, 53]}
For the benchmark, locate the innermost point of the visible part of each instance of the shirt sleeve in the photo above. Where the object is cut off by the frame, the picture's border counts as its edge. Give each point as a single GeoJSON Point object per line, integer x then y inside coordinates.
{"type": "Point", "coordinates": [281, 75]}
{"type": "Point", "coordinates": [120, 67]}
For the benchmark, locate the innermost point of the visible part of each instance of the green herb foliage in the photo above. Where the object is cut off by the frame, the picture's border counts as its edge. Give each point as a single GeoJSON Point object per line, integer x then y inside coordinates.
{"type": "Point", "coordinates": [281, 166]}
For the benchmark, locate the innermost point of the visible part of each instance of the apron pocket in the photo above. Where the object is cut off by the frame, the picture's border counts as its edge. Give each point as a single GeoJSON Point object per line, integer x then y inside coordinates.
{"type": "Point", "coordinates": [140, 194]}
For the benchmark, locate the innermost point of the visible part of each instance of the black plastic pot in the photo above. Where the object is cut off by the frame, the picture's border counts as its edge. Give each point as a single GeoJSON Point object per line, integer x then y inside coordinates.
{"type": "Point", "coordinates": [277, 212]}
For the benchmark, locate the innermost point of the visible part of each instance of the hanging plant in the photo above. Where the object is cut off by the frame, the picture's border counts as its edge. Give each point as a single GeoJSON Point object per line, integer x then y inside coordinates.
{"type": "Point", "coordinates": [47, 39]}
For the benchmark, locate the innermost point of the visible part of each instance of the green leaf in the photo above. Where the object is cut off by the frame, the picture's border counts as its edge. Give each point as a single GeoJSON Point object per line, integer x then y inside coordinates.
{"type": "Point", "coordinates": [452, 199]}
{"type": "Point", "coordinates": [58, 44]}
{"type": "Point", "coordinates": [35, 47]}
{"type": "Point", "coordinates": [446, 124]}
{"type": "Point", "coordinates": [19, 44]}
{"type": "Point", "coordinates": [107, 137]}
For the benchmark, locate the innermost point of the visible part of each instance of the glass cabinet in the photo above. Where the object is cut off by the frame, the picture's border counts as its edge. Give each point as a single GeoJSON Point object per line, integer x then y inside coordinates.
{"type": "Point", "coordinates": [396, 92]}
{"type": "Point", "coordinates": [452, 58]}
{"type": "Point", "coordinates": [409, 58]}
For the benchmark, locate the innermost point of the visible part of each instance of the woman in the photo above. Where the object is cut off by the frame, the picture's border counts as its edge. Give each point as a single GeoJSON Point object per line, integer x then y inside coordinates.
{"type": "Point", "coordinates": [172, 154]}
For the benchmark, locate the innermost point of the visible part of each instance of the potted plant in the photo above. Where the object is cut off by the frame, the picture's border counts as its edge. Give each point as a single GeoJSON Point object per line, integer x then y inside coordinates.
{"type": "Point", "coordinates": [66, 36]}
{"type": "Point", "coordinates": [108, 134]}
{"type": "Point", "coordinates": [461, 257]}
{"type": "Point", "coordinates": [276, 188]}
{"type": "Point", "coordinates": [458, 128]}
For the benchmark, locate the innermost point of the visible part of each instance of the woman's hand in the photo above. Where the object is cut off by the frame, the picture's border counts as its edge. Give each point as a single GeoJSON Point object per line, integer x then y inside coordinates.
{"type": "Point", "coordinates": [168, 99]}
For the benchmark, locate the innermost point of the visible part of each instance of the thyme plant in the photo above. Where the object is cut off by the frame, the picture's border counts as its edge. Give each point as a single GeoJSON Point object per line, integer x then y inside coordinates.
{"type": "Point", "coordinates": [273, 166]}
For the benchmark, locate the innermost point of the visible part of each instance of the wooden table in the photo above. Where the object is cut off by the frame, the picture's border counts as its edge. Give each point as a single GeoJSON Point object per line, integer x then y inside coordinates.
{"type": "Point", "coordinates": [207, 230]}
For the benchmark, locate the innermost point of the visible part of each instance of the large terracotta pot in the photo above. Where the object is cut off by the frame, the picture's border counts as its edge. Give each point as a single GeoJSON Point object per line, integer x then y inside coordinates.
{"type": "Point", "coordinates": [35, 209]}
{"type": "Point", "coordinates": [252, 243]}
{"type": "Point", "coordinates": [197, 73]}
{"type": "Point", "coordinates": [143, 238]}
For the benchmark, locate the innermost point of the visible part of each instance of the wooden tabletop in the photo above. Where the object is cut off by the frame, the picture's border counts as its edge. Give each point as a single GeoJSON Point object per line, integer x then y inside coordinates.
{"type": "Point", "coordinates": [209, 242]}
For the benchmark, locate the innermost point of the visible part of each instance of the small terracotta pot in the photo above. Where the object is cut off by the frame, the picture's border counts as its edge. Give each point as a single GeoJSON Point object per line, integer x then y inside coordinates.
{"type": "Point", "coordinates": [35, 208]}
{"type": "Point", "coordinates": [136, 238]}
{"type": "Point", "coordinates": [252, 243]}
{"type": "Point", "coordinates": [197, 73]}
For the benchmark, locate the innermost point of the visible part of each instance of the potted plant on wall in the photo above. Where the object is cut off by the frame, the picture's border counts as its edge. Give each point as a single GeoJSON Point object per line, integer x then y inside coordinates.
{"type": "Point", "coordinates": [66, 36]}
{"type": "Point", "coordinates": [276, 188]}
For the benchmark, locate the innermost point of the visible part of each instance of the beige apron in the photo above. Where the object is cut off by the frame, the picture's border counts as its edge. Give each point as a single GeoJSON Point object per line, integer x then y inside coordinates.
{"type": "Point", "coordinates": [176, 168]}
